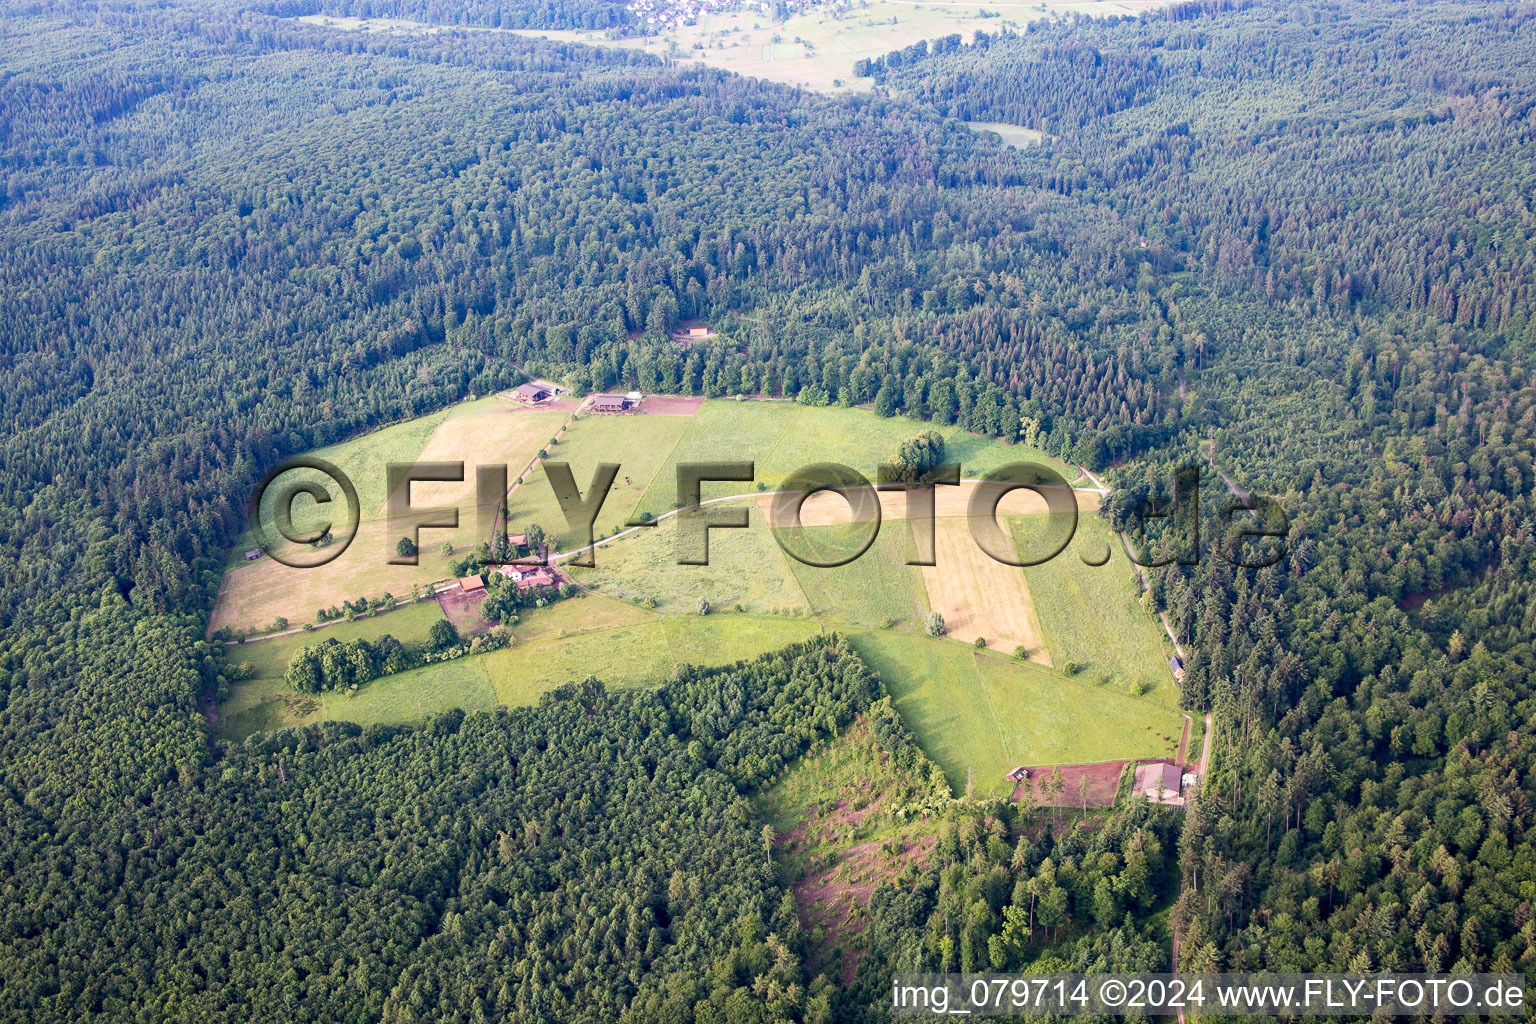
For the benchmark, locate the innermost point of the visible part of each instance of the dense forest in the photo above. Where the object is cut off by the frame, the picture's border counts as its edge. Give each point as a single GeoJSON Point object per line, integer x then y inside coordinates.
{"type": "Point", "coordinates": [1290, 243]}
{"type": "Point", "coordinates": [563, 862]}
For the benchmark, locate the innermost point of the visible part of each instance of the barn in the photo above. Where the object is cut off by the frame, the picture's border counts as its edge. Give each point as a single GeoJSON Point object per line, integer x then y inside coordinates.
{"type": "Point", "coordinates": [1159, 782]}
{"type": "Point", "coordinates": [609, 403]}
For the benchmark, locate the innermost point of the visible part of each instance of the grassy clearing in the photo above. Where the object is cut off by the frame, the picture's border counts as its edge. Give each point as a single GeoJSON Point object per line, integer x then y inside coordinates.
{"type": "Point", "coordinates": [407, 698]}
{"type": "Point", "coordinates": [416, 695]}
{"type": "Point", "coordinates": [1011, 134]}
{"type": "Point", "coordinates": [778, 436]}
{"type": "Point", "coordinates": [644, 654]}
{"type": "Point", "coordinates": [814, 49]}
{"type": "Point", "coordinates": [782, 437]}
{"type": "Point", "coordinates": [723, 431]}
{"type": "Point", "coordinates": [263, 705]}
{"type": "Point", "coordinates": [859, 438]}
{"type": "Point", "coordinates": [365, 459]}
{"type": "Point", "coordinates": [619, 642]}
{"type": "Point", "coordinates": [579, 615]}
{"type": "Point", "coordinates": [971, 712]}
{"type": "Point", "coordinates": [1057, 720]}
{"type": "Point", "coordinates": [840, 793]}
{"type": "Point", "coordinates": [828, 508]}
{"type": "Point", "coordinates": [938, 691]}
{"type": "Point", "coordinates": [1092, 616]}
{"type": "Point", "coordinates": [265, 702]}
{"type": "Point", "coordinates": [837, 838]}
{"type": "Point", "coordinates": [877, 589]}
{"type": "Point", "coordinates": [745, 567]}
{"type": "Point", "coordinates": [639, 444]}
{"type": "Point", "coordinates": [981, 711]}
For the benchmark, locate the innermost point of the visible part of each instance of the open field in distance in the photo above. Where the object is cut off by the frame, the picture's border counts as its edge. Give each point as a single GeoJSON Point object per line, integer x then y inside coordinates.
{"type": "Point", "coordinates": [815, 48]}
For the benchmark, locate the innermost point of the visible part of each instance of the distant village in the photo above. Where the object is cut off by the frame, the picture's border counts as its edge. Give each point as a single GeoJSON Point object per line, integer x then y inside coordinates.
{"type": "Point", "coordinates": [660, 15]}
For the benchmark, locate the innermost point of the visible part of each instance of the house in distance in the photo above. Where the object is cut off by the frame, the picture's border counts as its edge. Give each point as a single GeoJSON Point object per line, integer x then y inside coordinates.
{"type": "Point", "coordinates": [692, 332]}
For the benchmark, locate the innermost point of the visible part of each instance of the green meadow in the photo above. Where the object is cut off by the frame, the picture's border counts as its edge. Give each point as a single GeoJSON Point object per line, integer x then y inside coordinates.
{"type": "Point", "coordinates": [264, 701]}
{"type": "Point", "coordinates": [745, 568]}
{"type": "Point", "coordinates": [978, 711]}
{"type": "Point", "coordinates": [640, 445]}
{"type": "Point", "coordinates": [567, 641]}
{"type": "Point", "coordinates": [642, 654]}
{"type": "Point", "coordinates": [416, 695]}
{"type": "Point", "coordinates": [876, 589]}
{"type": "Point", "coordinates": [409, 623]}
{"type": "Point", "coordinates": [722, 431]}
{"type": "Point", "coordinates": [782, 437]}
{"type": "Point", "coordinates": [1092, 615]}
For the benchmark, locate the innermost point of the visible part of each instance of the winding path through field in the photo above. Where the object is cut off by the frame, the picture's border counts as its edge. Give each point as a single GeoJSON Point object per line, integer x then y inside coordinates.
{"type": "Point", "coordinates": [433, 589]}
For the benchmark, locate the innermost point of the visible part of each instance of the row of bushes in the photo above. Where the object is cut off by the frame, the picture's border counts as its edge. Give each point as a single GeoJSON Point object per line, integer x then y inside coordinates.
{"type": "Point", "coordinates": [345, 664]}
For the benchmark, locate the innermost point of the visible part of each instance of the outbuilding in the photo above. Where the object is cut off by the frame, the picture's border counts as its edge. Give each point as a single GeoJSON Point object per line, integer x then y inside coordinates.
{"type": "Point", "coordinates": [609, 403]}
{"type": "Point", "coordinates": [1158, 782]}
